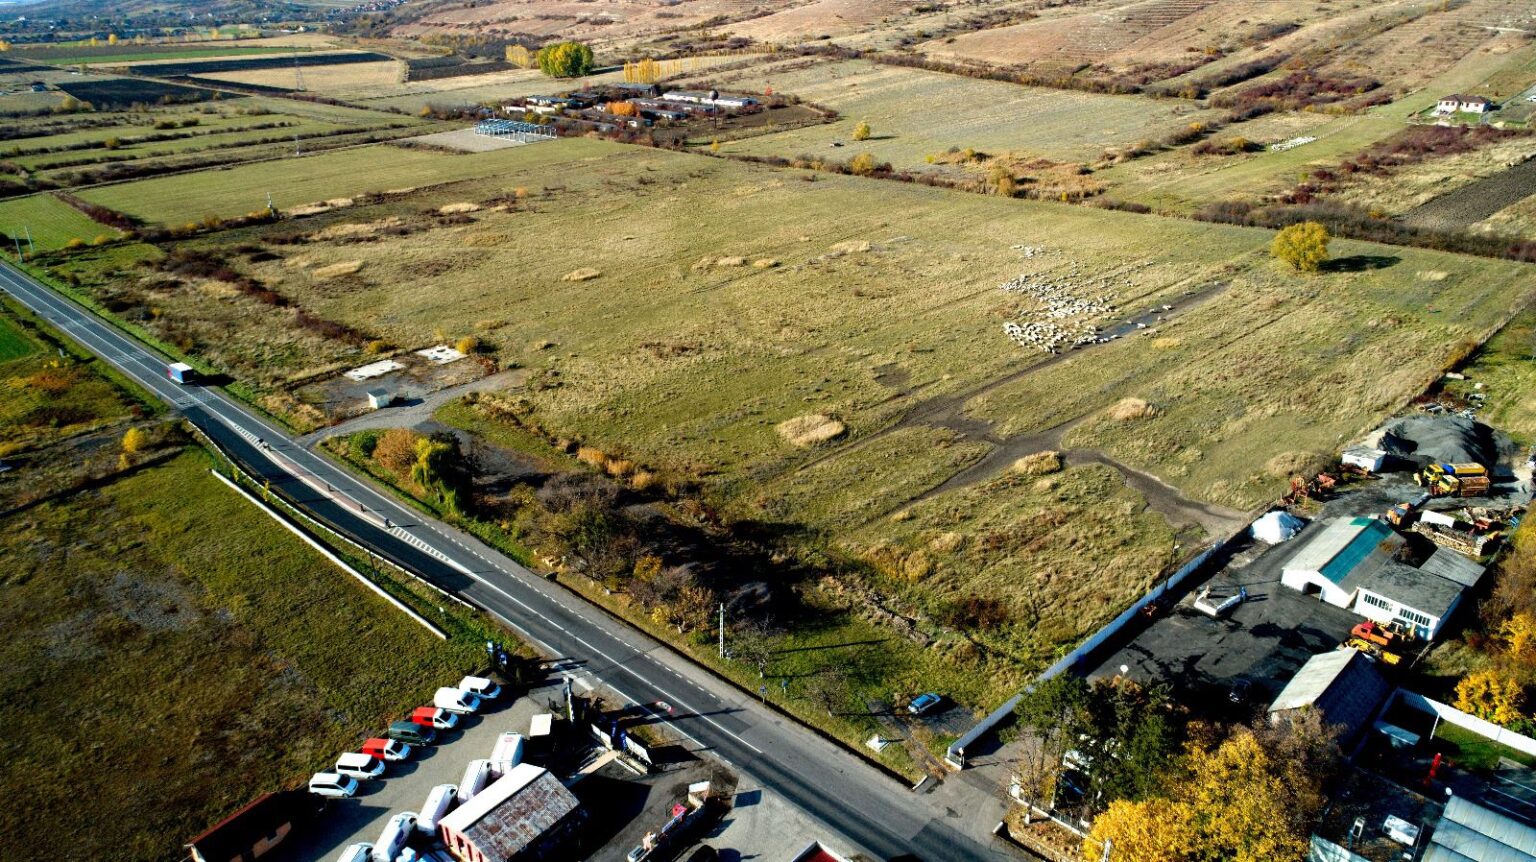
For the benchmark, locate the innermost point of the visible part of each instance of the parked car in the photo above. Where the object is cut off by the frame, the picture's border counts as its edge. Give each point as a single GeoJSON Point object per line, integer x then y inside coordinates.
{"type": "Point", "coordinates": [359, 852]}
{"type": "Point", "coordinates": [1240, 691]}
{"type": "Point", "coordinates": [411, 733]}
{"type": "Point", "coordinates": [359, 766]}
{"type": "Point", "coordinates": [332, 785]}
{"type": "Point", "coordinates": [442, 798]}
{"type": "Point", "coordinates": [480, 687]}
{"type": "Point", "coordinates": [433, 717]}
{"type": "Point", "coordinates": [388, 750]}
{"type": "Point", "coordinates": [454, 700]}
{"type": "Point", "coordinates": [924, 703]}
{"type": "Point", "coordinates": [392, 839]}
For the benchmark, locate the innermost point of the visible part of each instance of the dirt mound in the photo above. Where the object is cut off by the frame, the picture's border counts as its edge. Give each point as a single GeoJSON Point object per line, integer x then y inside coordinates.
{"type": "Point", "coordinates": [1131, 409]}
{"type": "Point", "coordinates": [810, 430]}
{"type": "Point", "coordinates": [586, 273]}
{"type": "Point", "coordinates": [1441, 439]}
{"type": "Point", "coordinates": [336, 270]}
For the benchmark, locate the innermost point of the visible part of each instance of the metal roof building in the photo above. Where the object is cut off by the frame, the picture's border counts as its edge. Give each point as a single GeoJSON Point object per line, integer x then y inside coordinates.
{"type": "Point", "coordinates": [1345, 685]}
{"type": "Point", "coordinates": [1324, 566]}
{"type": "Point", "coordinates": [1468, 832]}
{"type": "Point", "coordinates": [523, 815]}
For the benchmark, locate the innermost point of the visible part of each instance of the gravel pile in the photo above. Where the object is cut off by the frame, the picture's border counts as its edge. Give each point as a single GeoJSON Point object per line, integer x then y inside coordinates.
{"type": "Point", "coordinates": [1441, 439]}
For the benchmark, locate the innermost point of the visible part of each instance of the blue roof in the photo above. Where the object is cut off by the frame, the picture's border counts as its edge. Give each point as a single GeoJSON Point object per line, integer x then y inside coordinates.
{"type": "Point", "coordinates": [1373, 533]}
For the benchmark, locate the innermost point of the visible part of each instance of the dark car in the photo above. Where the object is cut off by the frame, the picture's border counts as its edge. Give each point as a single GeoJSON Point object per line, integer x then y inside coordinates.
{"type": "Point", "coordinates": [1240, 691]}
{"type": "Point", "coordinates": [410, 732]}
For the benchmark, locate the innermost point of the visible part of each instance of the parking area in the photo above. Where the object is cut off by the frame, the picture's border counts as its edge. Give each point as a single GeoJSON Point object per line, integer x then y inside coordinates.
{"type": "Point", "coordinates": [405, 786]}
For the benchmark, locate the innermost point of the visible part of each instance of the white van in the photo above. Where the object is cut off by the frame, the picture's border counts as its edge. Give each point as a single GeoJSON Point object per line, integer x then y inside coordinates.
{"type": "Point", "coordinates": [454, 700]}
{"type": "Point", "coordinates": [476, 775]}
{"type": "Point", "coordinates": [439, 801]}
{"type": "Point", "coordinates": [355, 764]}
{"type": "Point", "coordinates": [332, 785]}
{"type": "Point", "coordinates": [359, 852]}
{"type": "Point", "coordinates": [392, 839]}
{"type": "Point", "coordinates": [480, 687]}
{"type": "Point", "coordinates": [507, 753]}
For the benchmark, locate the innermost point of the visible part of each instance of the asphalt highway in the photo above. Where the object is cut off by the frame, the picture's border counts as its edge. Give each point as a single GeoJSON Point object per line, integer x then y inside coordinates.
{"type": "Point", "coordinates": [854, 800]}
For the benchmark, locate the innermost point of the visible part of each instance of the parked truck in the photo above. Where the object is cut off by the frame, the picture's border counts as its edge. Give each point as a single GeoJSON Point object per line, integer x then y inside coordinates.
{"type": "Point", "coordinates": [1391, 636]}
{"type": "Point", "coordinates": [1454, 480]}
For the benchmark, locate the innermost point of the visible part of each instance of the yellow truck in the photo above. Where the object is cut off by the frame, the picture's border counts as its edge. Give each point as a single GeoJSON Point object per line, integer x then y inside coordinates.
{"type": "Point", "coordinates": [1454, 480]}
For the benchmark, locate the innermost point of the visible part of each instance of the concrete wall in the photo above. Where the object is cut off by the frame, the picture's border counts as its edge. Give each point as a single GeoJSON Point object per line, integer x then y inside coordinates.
{"type": "Point", "coordinates": [1452, 715]}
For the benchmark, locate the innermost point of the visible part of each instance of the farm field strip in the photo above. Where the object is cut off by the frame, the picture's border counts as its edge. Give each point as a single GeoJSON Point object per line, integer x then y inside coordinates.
{"type": "Point", "coordinates": [50, 222]}
{"type": "Point", "coordinates": [915, 113]}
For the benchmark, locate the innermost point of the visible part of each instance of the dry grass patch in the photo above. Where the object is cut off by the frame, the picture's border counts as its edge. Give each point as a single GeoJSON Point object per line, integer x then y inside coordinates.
{"type": "Point", "coordinates": [1131, 409]}
{"type": "Point", "coordinates": [1294, 463]}
{"type": "Point", "coordinates": [810, 430]}
{"type": "Point", "coordinates": [586, 273]}
{"type": "Point", "coordinates": [1038, 464]}
{"type": "Point", "coordinates": [337, 270]}
{"type": "Point", "coordinates": [353, 230]}
{"type": "Point", "coordinates": [461, 207]}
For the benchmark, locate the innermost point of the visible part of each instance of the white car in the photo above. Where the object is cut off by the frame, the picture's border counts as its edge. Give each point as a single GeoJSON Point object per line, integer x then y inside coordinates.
{"type": "Point", "coordinates": [357, 765]}
{"type": "Point", "coordinates": [332, 785]}
{"type": "Point", "coordinates": [392, 839]}
{"type": "Point", "coordinates": [455, 700]}
{"type": "Point", "coordinates": [480, 687]}
{"type": "Point", "coordinates": [360, 852]}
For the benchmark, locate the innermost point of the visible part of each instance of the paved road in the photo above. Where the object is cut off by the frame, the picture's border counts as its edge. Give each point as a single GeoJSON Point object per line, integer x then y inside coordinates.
{"type": "Point", "coordinates": [856, 801]}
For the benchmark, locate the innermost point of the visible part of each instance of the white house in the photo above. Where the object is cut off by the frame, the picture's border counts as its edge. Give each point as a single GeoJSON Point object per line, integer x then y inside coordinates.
{"type": "Point", "coordinates": [1457, 103]}
{"type": "Point", "coordinates": [1367, 459]}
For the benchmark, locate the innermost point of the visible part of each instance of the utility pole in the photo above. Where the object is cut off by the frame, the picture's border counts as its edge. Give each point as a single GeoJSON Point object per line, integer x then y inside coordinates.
{"type": "Point", "coordinates": [17, 240]}
{"type": "Point", "coordinates": [722, 629]}
{"type": "Point", "coordinates": [31, 249]}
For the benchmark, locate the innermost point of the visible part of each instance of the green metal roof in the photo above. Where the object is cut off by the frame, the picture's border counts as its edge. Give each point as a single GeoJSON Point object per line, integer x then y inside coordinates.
{"type": "Point", "coordinates": [1372, 533]}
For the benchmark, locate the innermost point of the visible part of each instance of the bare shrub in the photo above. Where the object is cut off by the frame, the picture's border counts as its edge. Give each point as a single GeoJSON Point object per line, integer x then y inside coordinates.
{"type": "Point", "coordinates": [1131, 409]}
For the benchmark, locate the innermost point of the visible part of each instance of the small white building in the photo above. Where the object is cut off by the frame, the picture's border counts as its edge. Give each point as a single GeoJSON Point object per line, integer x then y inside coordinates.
{"type": "Point", "coordinates": [379, 398]}
{"type": "Point", "coordinates": [1367, 459]}
{"type": "Point", "coordinates": [1459, 104]}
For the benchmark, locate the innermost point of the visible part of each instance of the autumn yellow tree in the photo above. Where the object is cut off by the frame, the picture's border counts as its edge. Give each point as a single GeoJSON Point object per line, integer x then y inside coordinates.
{"type": "Point", "coordinates": [861, 132]}
{"type": "Point", "coordinates": [862, 164]}
{"type": "Point", "coordinates": [134, 441]}
{"type": "Point", "coordinates": [519, 56]}
{"type": "Point", "coordinates": [1519, 634]}
{"type": "Point", "coordinates": [1304, 246]}
{"type": "Point", "coordinates": [1491, 696]}
{"type": "Point", "coordinates": [1245, 800]}
{"type": "Point", "coordinates": [1154, 830]}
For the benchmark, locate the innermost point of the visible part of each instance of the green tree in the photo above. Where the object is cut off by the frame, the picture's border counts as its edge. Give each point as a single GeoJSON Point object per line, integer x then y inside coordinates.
{"type": "Point", "coordinates": [565, 59]}
{"type": "Point", "coordinates": [1304, 246]}
{"type": "Point", "coordinates": [439, 470]}
{"type": "Point", "coordinates": [861, 131]}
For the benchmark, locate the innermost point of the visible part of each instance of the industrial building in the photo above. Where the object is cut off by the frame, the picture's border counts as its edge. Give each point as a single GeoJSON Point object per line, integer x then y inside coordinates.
{"type": "Point", "coordinates": [1345, 685]}
{"type": "Point", "coordinates": [524, 815]}
{"type": "Point", "coordinates": [1468, 832]}
{"type": "Point", "coordinates": [1355, 563]}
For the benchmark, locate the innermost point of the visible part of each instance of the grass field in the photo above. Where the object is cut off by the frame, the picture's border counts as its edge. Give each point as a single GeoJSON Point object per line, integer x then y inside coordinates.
{"type": "Point", "coordinates": [152, 53]}
{"type": "Point", "coordinates": [1504, 370]}
{"type": "Point", "coordinates": [326, 176]}
{"type": "Point", "coordinates": [914, 113]}
{"type": "Point", "coordinates": [684, 355]}
{"type": "Point", "coordinates": [321, 79]}
{"type": "Point", "coordinates": [48, 397]}
{"type": "Point", "coordinates": [50, 221]}
{"type": "Point", "coordinates": [222, 658]}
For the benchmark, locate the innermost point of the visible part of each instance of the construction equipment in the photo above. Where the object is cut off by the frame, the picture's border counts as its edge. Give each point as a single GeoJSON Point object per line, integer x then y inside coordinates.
{"type": "Point", "coordinates": [1375, 651]}
{"type": "Point", "coordinates": [1319, 487]}
{"type": "Point", "coordinates": [1404, 514]}
{"type": "Point", "coordinates": [1458, 480]}
{"type": "Point", "coordinates": [1392, 636]}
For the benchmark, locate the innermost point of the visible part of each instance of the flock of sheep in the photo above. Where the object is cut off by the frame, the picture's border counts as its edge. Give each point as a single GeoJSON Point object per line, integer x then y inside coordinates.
{"type": "Point", "coordinates": [1061, 319]}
